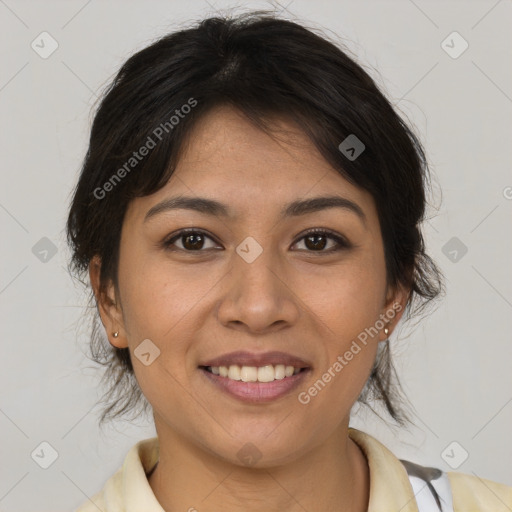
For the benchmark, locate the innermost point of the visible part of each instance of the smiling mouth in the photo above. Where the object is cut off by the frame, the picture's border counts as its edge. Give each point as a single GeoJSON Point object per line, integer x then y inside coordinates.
{"type": "Point", "coordinates": [267, 373]}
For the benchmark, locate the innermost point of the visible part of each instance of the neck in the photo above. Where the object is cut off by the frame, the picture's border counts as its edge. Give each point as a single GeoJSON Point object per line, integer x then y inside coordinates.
{"type": "Point", "coordinates": [332, 477]}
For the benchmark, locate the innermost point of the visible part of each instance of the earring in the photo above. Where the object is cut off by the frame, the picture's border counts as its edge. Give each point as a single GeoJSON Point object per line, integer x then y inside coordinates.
{"type": "Point", "coordinates": [386, 331]}
{"type": "Point", "coordinates": [115, 334]}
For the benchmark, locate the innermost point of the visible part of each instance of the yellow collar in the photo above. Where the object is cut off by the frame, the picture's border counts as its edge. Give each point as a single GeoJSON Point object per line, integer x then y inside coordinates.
{"type": "Point", "coordinates": [389, 484]}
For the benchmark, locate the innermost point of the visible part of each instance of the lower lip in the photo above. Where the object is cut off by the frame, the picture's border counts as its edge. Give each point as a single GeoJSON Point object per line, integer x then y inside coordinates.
{"type": "Point", "coordinates": [256, 392]}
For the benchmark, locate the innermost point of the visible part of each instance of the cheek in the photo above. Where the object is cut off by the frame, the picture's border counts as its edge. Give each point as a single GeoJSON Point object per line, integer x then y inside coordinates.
{"type": "Point", "coordinates": [158, 303]}
{"type": "Point", "coordinates": [348, 306]}
{"type": "Point", "coordinates": [349, 298]}
{"type": "Point", "coordinates": [348, 351]}
{"type": "Point", "coordinates": [157, 296]}
{"type": "Point", "coordinates": [331, 395]}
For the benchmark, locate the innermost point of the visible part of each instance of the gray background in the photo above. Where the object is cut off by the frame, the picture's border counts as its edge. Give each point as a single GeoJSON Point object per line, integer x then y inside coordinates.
{"type": "Point", "coordinates": [455, 365]}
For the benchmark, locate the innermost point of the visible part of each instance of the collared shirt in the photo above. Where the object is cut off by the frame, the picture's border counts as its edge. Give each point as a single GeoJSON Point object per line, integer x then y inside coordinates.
{"type": "Point", "coordinates": [128, 490]}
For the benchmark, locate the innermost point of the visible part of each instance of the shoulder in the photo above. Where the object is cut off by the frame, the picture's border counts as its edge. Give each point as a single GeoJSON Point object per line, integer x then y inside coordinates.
{"type": "Point", "coordinates": [92, 505]}
{"type": "Point", "coordinates": [420, 488]}
{"type": "Point", "coordinates": [129, 486]}
{"type": "Point", "coordinates": [111, 494]}
{"type": "Point", "coordinates": [456, 492]}
{"type": "Point", "coordinates": [472, 493]}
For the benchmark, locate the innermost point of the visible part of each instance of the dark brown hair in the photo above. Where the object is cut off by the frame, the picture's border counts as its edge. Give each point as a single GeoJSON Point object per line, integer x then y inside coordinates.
{"type": "Point", "coordinates": [266, 67]}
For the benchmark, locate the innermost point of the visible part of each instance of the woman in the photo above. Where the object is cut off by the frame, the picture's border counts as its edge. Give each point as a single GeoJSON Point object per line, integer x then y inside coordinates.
{"type": "Point", "coordinates": [249, 214]}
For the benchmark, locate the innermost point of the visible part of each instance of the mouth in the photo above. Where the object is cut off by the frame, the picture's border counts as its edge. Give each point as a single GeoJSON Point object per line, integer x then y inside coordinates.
{"type": "Point", "coordinates": [263, 374]}
{"type": "Point", "coordinates": [255, 378]}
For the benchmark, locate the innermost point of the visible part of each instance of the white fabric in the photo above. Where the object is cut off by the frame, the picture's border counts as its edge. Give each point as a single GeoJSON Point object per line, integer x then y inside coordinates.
{"type": "Point", "coordinates": [424, 498]}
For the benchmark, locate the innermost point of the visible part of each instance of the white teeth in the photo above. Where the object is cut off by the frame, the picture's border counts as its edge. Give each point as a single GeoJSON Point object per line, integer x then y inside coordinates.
{"type": "Point", "coordinates": [249, 374]}
{"type": "Point", "coordinates": [279, 371]}
{"type": "Point", "coordinates": [266, 373]}
{"type": "Point", "coordinates": [234, 372]}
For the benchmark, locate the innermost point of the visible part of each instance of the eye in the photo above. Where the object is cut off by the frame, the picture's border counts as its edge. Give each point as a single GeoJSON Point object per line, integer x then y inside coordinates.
{"type": "Point", "coordinates": [192, 240]}
{"type": "Point", "coordinates": [316, 240]}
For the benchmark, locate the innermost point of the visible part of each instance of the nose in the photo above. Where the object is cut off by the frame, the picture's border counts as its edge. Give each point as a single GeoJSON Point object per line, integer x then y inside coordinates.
{"type": "Point", "coordinates": [257, 297]}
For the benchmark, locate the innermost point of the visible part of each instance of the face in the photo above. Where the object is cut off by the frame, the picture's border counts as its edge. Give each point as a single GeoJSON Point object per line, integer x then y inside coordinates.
{"type": "Point", "coordinates": [253, 287]}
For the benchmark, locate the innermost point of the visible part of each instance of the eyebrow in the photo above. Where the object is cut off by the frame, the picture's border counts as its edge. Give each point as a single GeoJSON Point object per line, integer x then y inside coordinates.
{"type": "Point", "coordinates": [293, 209]}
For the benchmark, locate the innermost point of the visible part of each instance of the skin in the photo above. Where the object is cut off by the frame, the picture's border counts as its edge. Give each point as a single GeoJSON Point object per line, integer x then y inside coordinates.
{"type": "Point", "coordinates": [197, 305]}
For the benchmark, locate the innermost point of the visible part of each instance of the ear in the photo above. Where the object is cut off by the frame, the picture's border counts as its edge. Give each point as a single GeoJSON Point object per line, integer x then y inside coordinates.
{"type": "Point", "coordinates": [394, 307]}
{"type": "Point", "coordinates": [108, 306]}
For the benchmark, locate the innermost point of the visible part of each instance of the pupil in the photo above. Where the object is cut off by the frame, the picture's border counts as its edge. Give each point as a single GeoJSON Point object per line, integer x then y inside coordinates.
{"type": "Point", "coordinates": [193, 245]}
{"type": "Point", "coordinates": [315, 244]}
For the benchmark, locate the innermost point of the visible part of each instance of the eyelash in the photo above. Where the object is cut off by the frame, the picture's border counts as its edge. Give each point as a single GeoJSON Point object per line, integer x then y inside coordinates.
{"type": "Point", "coordinates": [342, 242]}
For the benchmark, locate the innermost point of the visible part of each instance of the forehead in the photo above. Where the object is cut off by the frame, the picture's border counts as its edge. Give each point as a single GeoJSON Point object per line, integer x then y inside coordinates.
{"type": "Point", "coordinates": [226, 142]}
{"type": "Point", "coordinates": [229, 159]}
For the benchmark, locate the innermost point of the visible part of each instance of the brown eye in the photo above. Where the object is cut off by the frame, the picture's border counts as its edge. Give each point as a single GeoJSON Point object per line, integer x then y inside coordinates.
{"type": "Point", "coordinates": [317, 241]}
{"type": "Point", "coordinates": [191, 241]}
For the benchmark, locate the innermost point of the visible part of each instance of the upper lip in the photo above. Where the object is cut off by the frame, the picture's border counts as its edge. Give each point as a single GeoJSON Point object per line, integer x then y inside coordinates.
{"type": "Point", "coordinates": [244, 358]}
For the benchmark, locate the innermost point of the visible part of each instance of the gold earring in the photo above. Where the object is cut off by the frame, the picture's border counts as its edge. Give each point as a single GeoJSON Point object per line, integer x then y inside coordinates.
{"type": "Point", "coordinates": [116, 334]}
